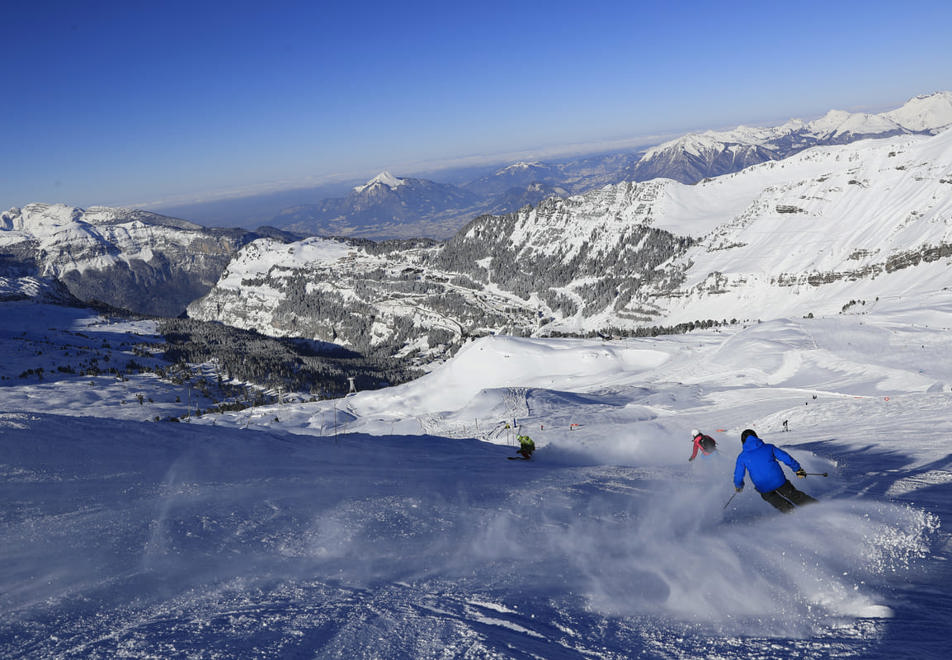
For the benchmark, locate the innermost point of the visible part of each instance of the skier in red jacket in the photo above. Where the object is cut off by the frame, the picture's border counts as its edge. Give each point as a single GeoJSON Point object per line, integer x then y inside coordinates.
{"type": "Point", "coordinates": [703, 443]}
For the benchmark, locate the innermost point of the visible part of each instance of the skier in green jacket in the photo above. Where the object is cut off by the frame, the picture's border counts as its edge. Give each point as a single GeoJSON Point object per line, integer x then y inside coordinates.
{"type": "Point", "coordinates": [526, 446]}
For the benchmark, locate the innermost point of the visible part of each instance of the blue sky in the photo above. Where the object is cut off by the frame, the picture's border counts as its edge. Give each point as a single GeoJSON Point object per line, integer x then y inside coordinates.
{"type": "Point", "coordinates": [135, 102]}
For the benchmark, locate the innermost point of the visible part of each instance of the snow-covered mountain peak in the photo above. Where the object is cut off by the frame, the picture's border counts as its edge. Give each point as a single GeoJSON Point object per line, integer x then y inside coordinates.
{"type": "Point", "coordinates": [40, 218]}
{"type": "Point", "coordinates": [710, 141]}
{"type": "Point", "coordinates": [693, 143]}
{"type": "Point", "coordinates": [832, 119]}
{"type": "Point", "coordinates": [839, 122]}
{"type": "Point", "coordinates": [521, 166]}
{"type": "Point", "coordinates": [693, 157]}
{"type": "Point", "coordinates": [792, 125]}
{"type": "Point", "coordinates": [931, 112]}
{"type": "Point", "coordinates": [385, 178]}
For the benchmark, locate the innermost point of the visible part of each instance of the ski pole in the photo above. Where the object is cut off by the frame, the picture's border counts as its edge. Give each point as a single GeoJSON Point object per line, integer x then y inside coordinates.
{"type": "Point", "coordinates": [732, 498]}
{"type": "Point", "coordinates": [817, 474]}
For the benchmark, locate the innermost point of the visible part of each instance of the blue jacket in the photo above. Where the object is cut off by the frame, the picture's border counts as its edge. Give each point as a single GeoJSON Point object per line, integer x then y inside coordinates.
{"type": "Point", "coordinates": [760, 459]}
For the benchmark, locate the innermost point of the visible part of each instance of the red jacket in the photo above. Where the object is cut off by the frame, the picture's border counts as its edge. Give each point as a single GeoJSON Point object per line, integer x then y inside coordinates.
{"type": "Point", "coordinates": [698, 447]}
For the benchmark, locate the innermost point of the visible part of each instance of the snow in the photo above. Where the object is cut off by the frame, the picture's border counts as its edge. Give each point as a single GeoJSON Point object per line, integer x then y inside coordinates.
{"type": "Point", "coordinates": [384, 178]}
{"type": "Point", "coordinates": [930, 113]}
{"type": "Point", "coordinates": [267, 256]}
{"type": "Point", "coordinates": [65, 240]}
{"type": "Point", "coordinates": [856, 207]}
{"type": "Point", "coordinates": [814, 233]}
{"type": "Point", "coordinates": [266, 260]}
{"type": "Point", "coordinates": [925, 113]}
{"type": "Point", "coordinates": [518, 167]}
{"type": "Point", "coordinates": [390, 524]}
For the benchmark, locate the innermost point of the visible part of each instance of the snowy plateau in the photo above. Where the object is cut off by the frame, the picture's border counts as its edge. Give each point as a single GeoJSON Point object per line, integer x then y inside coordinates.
{"type": "Point", "coordinates": [813, 297]}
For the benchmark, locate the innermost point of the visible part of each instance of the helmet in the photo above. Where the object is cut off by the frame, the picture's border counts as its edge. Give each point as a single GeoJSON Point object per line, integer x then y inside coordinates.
{"type": "Point", "coordinates": [746, 434]}
{"type": "Point", "coordinates": [695, 433]}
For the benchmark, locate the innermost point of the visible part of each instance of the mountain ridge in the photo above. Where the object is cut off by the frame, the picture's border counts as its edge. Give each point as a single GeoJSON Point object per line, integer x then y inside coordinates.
{"type": "Point", "coordinates": [802, 235]}
{"type": "Point", "coordinates": [692, 157]}
{"type": "Point", "coordinates": [127, 258]}
{"type": "Point", "coordinates": [378, 209]}
{"type": "Point", "coordinates": [621, 258]}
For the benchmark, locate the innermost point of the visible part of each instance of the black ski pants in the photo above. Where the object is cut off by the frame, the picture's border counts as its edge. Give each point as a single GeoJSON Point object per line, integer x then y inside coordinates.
{"type": "Point", "coordinates": [787, 497]}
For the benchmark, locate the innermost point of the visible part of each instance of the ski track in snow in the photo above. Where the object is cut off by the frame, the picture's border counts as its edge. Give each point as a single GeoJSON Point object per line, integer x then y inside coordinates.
{"type": "Point", "coordinates": [348, 529]}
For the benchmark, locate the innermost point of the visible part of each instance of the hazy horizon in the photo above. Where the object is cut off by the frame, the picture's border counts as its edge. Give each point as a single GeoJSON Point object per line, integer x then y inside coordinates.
{"type": "Point", "coordinates": [129, 105]}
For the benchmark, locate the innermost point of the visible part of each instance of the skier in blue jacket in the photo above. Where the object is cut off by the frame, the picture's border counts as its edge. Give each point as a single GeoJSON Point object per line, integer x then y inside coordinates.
{"type": "Point", "coordinates": [760, 459]}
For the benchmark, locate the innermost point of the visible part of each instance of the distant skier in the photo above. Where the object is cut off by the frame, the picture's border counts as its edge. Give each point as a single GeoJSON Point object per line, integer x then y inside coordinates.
{"type": "Point", "coordinates": [760, 459]}
{"type": "Point", "coordinates": [526, 446]}
{"type": "Point", "coordinates": [702, 443]}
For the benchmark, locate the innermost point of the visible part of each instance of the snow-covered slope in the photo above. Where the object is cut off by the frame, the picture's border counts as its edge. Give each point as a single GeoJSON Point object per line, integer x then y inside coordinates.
{"type": "Point", "coordinates": [851, 224]}
{"type": "Point", "coordinates": [123, 257]}
{"type": "Point", "coordinates": [830, 229]}
{"type": "Point", "coordinates": [333, 289]}
{"type": "Point", "coordinates": [927, 113]}
{"type": "Point", "coordinates": [378, 525]}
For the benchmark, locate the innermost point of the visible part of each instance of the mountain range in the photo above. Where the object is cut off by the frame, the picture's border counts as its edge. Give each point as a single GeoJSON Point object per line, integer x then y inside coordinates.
{"type": "Point", "coordinates": [828, 230]}
{"type": "Point", "coordinates": [832, 228]}
{"type": "Point", "coordinates": [388, 207]}
{"type": "Point", "coordinates": [693, 157]}
{"type": "Point", "coordinates": [385, 205]}
{"type": "Point", "coordinates": [392, 207]}
{"type": "Point", "coordinates": [126, 258]}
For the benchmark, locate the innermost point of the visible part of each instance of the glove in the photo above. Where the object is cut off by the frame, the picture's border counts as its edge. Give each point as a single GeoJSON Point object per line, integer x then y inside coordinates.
{"type": "Point", "coordinates": [801, 473]}
{"type": "Point", "coordinates": [738, 489]}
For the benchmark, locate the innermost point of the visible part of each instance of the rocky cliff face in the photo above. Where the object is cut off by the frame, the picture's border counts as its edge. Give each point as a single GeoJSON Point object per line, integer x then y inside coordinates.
{"type": "Point", "coordinates": [132, 259]}
{"type": "Point", "coordinates": [556, 266]}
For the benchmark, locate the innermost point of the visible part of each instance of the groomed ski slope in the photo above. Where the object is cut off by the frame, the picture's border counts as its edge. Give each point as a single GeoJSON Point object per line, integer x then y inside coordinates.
{"type": "Point", "coordinates": [389, 524]}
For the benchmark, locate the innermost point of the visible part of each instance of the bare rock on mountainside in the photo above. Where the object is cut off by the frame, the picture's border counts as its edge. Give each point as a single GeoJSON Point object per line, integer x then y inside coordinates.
{"type": "Point", "coordinates": [126, 258]}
